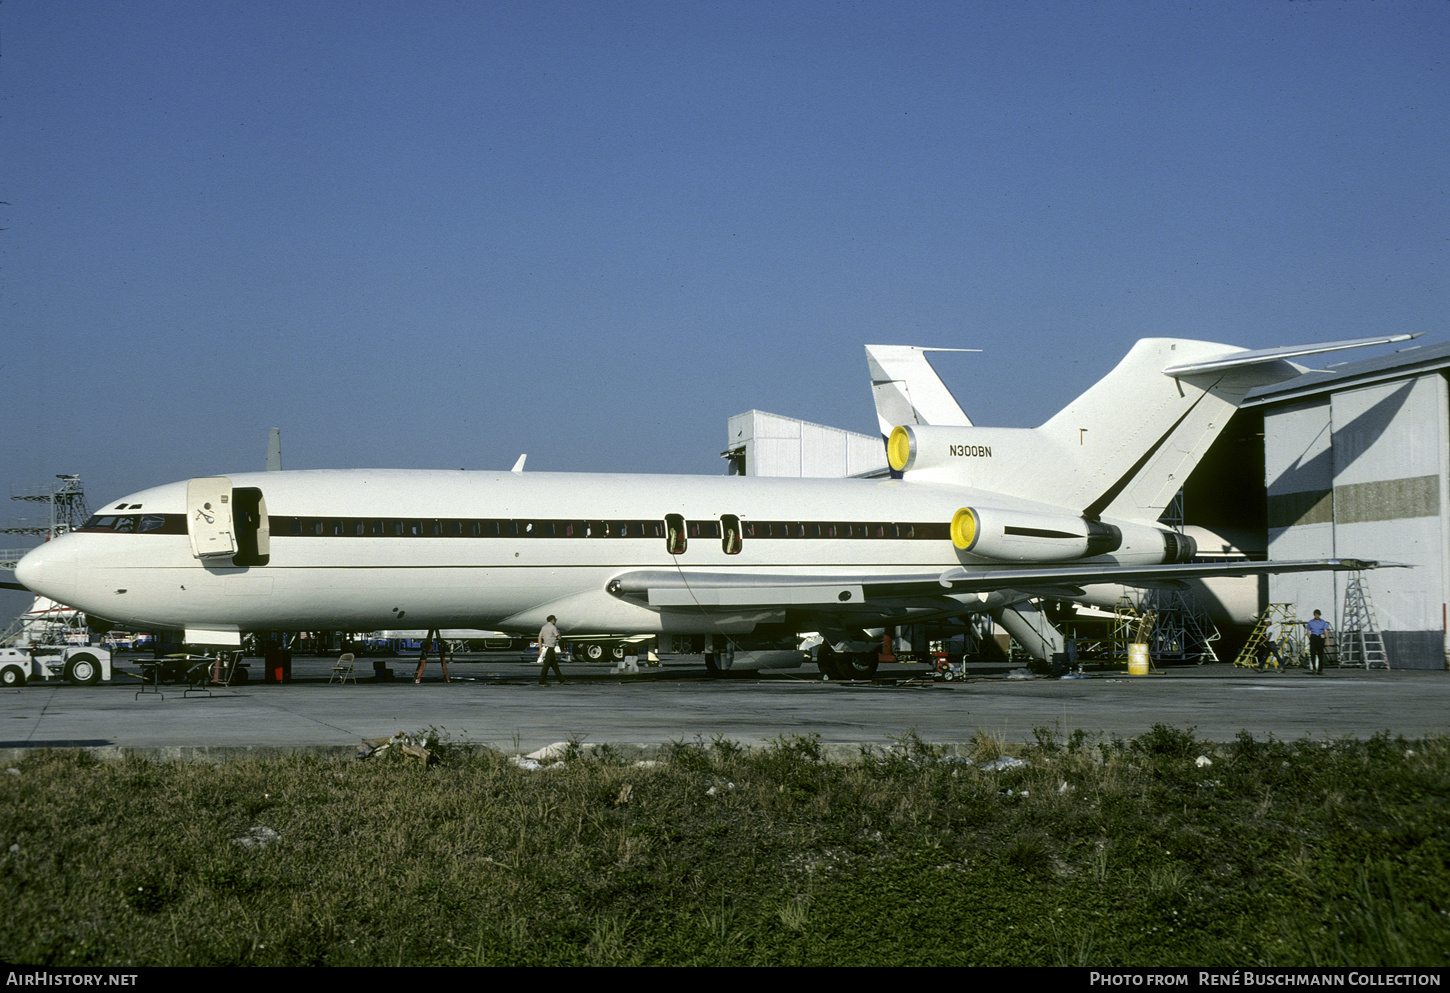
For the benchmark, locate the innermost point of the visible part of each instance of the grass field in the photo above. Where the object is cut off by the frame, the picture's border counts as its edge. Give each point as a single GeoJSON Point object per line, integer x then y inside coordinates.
{"type": "Point", "coordinates": [1158, 850]}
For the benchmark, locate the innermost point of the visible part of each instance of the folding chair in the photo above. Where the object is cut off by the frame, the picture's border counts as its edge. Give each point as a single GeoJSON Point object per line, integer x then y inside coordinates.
{"type": "Point", "coordinates": [342, 670]}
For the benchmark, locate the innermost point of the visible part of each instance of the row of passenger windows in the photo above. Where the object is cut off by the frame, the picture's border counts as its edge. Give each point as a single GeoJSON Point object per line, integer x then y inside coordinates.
{"type": "Point", "coordinates": [729, 529]}
{"type": "Point", "coordinates": [372, 527]}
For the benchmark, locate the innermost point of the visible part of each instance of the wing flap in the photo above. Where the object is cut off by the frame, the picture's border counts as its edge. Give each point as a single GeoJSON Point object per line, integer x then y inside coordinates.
{"type": "Point", "coordinates": [755, 596]}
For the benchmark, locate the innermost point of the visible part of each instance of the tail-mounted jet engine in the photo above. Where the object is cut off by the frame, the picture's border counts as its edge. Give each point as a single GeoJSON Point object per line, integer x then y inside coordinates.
{"type": "Point", "coordinates": [1025, 536]}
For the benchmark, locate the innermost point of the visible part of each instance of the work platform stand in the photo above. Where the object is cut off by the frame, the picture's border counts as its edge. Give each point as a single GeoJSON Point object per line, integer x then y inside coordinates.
{"type": "Point", "coordinates": [1286, 650]}
{"type": "Point", "coordinates": [435, 638]}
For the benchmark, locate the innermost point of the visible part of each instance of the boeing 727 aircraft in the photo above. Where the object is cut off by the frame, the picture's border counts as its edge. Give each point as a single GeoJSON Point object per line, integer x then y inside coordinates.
{"type": "Point", "coordinates": [980, 518]}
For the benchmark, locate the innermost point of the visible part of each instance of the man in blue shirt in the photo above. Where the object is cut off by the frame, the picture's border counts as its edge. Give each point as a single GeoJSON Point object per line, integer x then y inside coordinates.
{"type": "Point", "coordinates": [1317, 629]}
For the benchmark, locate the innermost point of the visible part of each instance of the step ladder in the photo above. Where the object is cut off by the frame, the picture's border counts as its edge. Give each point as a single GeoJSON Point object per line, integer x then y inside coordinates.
{"type": "Point", "coordinates": [1126, 619]}
{"type": "Point", "coordinates": [1360, 641]}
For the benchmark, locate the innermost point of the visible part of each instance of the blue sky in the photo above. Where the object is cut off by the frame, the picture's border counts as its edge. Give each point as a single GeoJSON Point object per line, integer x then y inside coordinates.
{"type": "Point", "coordinates": [435, 234]}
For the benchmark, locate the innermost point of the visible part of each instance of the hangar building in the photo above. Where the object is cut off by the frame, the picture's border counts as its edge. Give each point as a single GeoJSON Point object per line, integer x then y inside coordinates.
{"type": "Point", "coordinates": [764, 444]}
{"type": "Point", "coordinates": [1355, 466]}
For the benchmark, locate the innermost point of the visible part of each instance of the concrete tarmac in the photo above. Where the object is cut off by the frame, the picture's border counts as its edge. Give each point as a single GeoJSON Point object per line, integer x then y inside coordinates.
{"type": "Point", "coordinates": [495, 700]}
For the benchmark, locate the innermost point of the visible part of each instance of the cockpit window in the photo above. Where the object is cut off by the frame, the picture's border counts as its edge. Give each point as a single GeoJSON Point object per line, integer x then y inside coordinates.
{"type": "Point", "coordinates": [136, 523]}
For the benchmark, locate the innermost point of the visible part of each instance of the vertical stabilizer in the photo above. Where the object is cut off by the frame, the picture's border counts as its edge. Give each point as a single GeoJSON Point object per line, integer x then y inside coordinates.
{"type": "Point", "coordinates": [907, 389]}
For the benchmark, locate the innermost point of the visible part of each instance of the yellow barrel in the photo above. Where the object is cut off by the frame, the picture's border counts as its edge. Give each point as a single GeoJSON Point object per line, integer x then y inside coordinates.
{"type": "Point", "coordinates": [1138, 659]}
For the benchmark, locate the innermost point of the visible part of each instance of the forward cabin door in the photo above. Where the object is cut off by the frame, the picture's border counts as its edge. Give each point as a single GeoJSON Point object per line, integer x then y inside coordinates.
{"type": "Point", "coordinates": [209, 517]}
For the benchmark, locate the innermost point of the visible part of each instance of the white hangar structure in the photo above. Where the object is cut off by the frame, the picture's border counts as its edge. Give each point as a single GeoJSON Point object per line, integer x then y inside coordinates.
{"type": "Point", "coordinates": [1357, 465]}
{"type": "Point", "coordinates": [764, 444]}
{"type": "Point", "coordinates": [1349, 462]}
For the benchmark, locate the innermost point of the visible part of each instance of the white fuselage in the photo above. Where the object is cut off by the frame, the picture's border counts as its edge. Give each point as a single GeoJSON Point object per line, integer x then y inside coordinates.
{"type": "Point", "coordinates": [368, 549]}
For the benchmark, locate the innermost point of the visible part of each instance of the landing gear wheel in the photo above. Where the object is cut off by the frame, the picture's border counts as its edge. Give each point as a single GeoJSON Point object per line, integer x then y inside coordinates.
{"type": "Point", "coordinates": [616, 651]}
{"type": "Point", "coordinates": [593, 652]}
{"type": "Point", "coordinates": [12, 675]}
{"type": "Point", "coordinates": [711, 665]}
{"type": "Point", "coordinates": [85, 670]}
{"type": "Point", "coordinates": [829, 663]}
{"type": "Point", "coordinates": [857, 665]}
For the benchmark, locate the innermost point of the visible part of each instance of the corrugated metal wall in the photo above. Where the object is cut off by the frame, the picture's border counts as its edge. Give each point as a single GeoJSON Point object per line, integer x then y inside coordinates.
{"type": "Point", "coordinates": [1362, 473]}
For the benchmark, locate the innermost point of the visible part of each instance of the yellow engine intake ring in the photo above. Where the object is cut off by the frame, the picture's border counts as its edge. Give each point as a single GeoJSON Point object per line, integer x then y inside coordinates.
{"type": "Point", "coordinates": [898, 448]}
{"type": "Point", "coordinates": [964, 528]}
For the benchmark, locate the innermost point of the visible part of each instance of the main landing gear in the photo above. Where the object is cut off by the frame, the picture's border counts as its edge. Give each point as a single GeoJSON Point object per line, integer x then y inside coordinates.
{"type": "Point", "coordinates": [845, 665]}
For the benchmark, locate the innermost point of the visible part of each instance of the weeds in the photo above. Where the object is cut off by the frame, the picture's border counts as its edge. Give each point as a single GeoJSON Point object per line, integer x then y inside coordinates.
{"type": "Point", "coordinates": [1130, 853]}
{"type": "Point", "coordinates": [1162, 740]}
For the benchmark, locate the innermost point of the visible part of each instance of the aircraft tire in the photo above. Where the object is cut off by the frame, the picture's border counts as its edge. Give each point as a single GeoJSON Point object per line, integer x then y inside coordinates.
{"type": "Point", "coordinates": [829, 663]}
{"type": "Point", "coordinates": [593, 652]}
{"type": "Point", "coordinates": [711, 665]}
{"type": "Point", "coordinates": [84, 669]}
{"type": "Point", "coordinates": [616, 651]}
{"type": "Point", "coordinates": [12, 675]}
{"type": "Point", "coordinates": [857, 665]}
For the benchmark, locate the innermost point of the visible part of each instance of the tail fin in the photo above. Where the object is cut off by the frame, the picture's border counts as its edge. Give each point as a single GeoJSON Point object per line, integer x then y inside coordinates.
{"type": "Point", "coordinates": [907, 389]}
{"type": "Point", "coordinates": [1124, 447]}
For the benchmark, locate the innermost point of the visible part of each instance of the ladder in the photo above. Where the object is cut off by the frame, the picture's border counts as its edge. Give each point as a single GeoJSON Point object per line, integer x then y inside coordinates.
{"type": "Point", "coordinates": [1286, 650]}
{"type": "Point", "coordinates": [1126, 618]}
{"type": "Point", "coordinates": [1360, 641]}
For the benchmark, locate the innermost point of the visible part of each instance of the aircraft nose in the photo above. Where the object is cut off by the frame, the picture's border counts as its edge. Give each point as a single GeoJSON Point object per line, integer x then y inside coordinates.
{"type": "Point", "coordinates": [49, 570]}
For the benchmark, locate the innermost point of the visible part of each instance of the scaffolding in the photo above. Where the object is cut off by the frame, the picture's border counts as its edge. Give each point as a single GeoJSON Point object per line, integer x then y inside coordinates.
{"type": "Point", "coordinates": [1180, 630]}
{"type": "Point", "coordinates": [1184, 631]}
{"type": "Point", "coordinates": [66, 510]}
{"type": "Point", "coordinates": [1174, 626]}
{"type": "Point", "coordinates": [47, 622]}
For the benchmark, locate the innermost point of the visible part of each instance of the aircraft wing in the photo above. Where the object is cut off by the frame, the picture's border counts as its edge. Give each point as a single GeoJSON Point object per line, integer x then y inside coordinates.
{"type": "Point", "coordinates": [850, 593]}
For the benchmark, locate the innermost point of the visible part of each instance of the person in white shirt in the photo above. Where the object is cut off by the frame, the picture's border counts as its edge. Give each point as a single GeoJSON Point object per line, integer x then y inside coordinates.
{"type": "Point", "coordinates": [548, 648]}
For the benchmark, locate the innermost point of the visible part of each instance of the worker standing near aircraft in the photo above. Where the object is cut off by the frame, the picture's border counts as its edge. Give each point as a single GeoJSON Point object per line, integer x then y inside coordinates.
{"type": "Point", "coordinates": [1318, 629]}
{"type": "Point", "coordinates": [548, 652]}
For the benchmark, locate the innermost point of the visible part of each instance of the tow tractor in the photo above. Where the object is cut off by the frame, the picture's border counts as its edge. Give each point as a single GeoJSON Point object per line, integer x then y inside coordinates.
{"type": "Point", "coordinates": [84, 665]}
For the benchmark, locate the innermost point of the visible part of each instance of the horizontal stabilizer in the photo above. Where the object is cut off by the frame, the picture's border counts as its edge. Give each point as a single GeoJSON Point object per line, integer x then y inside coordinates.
{"type": "Point", "coordinates": [1239, 358]}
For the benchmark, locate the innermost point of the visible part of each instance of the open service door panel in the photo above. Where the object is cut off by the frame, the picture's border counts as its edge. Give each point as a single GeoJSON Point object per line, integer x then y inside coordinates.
{"type": "Point", "coordinates": [209, 517]}
{"type": "Point", "coordinates": [227, 523]}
